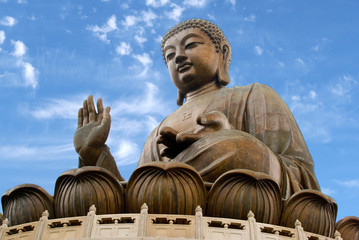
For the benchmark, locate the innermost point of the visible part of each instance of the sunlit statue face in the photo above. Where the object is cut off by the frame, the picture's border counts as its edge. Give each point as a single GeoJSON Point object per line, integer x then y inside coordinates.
{"type": "Point", "coordinates": [192, 59]}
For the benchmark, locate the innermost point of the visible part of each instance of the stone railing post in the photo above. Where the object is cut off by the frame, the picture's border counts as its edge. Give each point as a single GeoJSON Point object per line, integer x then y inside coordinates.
{"type": "Point", "coordinates": [337, 235]}
{"type": "Point", "coordinates": [253, 231]}
{"type": "Point", "coordinates": [3, 227]}
{"type": "Point", "coordinates": [41, 225]}
{"type": "Point", "coordinates": [198, 225]}
{"type": "Point", "coordinates": [299, 231]}
{"type": "Point", "coordinates": [142, 223]}
{"type": "Point", "coordinates": [89, 222]}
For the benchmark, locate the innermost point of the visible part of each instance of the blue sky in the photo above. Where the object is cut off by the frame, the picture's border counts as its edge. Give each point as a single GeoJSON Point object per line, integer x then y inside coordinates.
{"type": "Point", "coordinates": [55, 53]}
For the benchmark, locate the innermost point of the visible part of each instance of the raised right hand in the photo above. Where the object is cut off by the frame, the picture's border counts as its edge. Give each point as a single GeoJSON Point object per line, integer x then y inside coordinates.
{"type": "Point", "coordinates": [92, 131]}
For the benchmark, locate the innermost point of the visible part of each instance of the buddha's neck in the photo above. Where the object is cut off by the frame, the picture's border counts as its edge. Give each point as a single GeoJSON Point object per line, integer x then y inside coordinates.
{"type": "Point", "coordinates": [209, 87]}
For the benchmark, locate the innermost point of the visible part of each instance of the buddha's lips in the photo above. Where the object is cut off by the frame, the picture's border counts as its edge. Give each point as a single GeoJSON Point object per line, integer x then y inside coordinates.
{"type": "Point", "coordinates": [183, 67]}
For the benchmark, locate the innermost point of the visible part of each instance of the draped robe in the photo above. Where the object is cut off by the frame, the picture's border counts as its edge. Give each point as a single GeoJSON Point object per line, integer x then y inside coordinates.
{"type": "Point", "coordinates": [258, 110]}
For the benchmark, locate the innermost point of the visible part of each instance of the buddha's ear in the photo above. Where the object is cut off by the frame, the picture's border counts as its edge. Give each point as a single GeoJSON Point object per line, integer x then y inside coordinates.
{"type": "Point", "coordinates": [180, 98]}
{"type": "Point", "coordinates": [224, 62]}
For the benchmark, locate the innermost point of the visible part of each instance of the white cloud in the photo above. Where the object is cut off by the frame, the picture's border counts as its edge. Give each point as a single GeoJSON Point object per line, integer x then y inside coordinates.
{"type": "Point", "coordinates": [176, 12]}
{"type": "Point", "coordinates": [127, 153]}
{"type": "Point", "coordinates": [148, 17]}
{"type": "Point", "coordinates": [328, 191]}
{"type": "Point", "coordinates": [130, 21]}
{"type": "Point", "coordinates": [299, 61]}
{"type": "Point", "coordinates": [25, 152]}
{"type": "Point", "coordinates": [140, 39]}
{"type": "Point", "coordinates": [56, 108]}
{"type": "Point", "coordinates": [8, 21]}
{"type": "Point", "coordinates": [145, 60]}
{"type": "Point", "coordinates": [250, 18]}
{"type": "Point", "coordinates": [233, 2]}
{"type": "Point", "coordinates": [19, 48]}
{"type": "Point", "coordinates": [345, 85]}
{"type": "Point", "coordinates": [348, 183]}
{"type": "Point", "coordinates": [258, 50]}
{"type": "Point", "coordinates": [123, 49]}
{"type": "Point", "coordinates": [281, 64]}
{"type": "Point", "coordinates": [149, 103]}
{"type": "Point", "coordinates": [312, 94]}
{"type": "Point", "coordinates": [195, 3]}
{"type": "Point", "coordinates": [2, 37]}
{"type": "Point", "coordinates": [30, 75]}
{"type": "Point", "coordinates": [156, 3]}
{"type": "Point", "coordinates": [101, 32]}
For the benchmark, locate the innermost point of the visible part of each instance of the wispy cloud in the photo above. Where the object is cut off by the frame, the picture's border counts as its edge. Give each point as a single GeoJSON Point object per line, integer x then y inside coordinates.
{"type": "Point", "coordinates": [156, 3]}
{"type": "Point", "coordinates": [130, 20]}
{"type": "Point", "coordinates": [146, 62]}
{"type": "Point", "coordinates": [148, 103]}
{"type": "Point", "coordinates": [19, 48]}
{"type": "Point", "coordinates": [322, 111]}
{"type": "Point", "coordinates": [258, 50]}
{"type": "Point", "coordinates": [348, 183]}
{"type": "Point", "coordinates": [328, 191]}
{"type": "Point", "coordinates": [25, 74]}
{"type": "Point", "coordinates": [344, 86]}
{"type": "Point", "coordinates": [250, 18]}
{"type": "Point", "coordinates": [102, 31]}
{"type": "Point", "coordinates": [233, 2]}
{"type": "Point", "coordinates": [56, 108]}
{"type": "Point", "coordinates": [195, 3]}
{"type": "Point", "coordinates": [2, 37]}
{"type": "Point", "coordinates": [123, 49]}
{"type": "Point", "coordinates": [8, 21]}
{"type": "Point", "coordinates": [176, 12]}
{"type": "Point", "coordinates": [127, 153]}
{"type": "Point", "coordinates": [35, 153]}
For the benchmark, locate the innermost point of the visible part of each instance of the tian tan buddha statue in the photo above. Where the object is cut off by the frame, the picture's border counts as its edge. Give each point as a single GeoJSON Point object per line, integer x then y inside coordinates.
{"type": "Point", "coordinates": [229, 150]}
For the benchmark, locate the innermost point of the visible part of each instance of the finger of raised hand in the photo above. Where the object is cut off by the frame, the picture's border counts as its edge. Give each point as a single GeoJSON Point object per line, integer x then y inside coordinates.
{"type": "Point", "coordinates": [100, 110]}
{"type": "Point", "coordinates": [91, 109]}
{"type": "Point", "coordinates": [85, 114]}
{"type": "Point", "coordinates": [106, 120]}
{"type": "Point", "coordinates": [80, 118]}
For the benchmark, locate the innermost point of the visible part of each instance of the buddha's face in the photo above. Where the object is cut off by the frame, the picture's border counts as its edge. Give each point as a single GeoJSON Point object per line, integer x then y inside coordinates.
{"type": "Point", "coordinates": [191, 59]}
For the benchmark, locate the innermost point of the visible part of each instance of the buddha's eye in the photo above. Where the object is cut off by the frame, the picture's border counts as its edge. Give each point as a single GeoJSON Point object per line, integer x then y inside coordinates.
{"type": "Point", "coordinates": [192, 45]}
{"type": "Point", "coordinates": [170, 56]}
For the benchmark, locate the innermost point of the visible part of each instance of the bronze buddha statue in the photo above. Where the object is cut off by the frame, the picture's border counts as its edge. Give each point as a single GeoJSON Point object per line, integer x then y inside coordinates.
{"type": "Point", "coordinates": [242, 143]}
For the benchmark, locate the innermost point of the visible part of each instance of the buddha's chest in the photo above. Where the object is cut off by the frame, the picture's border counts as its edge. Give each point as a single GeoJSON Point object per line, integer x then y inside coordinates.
{"type": "Point", "coordinates": [185, 117]}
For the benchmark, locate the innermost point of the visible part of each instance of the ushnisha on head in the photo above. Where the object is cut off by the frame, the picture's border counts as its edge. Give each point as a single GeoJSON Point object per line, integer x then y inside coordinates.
{"type": "Point", "coordinates": [213, 37]}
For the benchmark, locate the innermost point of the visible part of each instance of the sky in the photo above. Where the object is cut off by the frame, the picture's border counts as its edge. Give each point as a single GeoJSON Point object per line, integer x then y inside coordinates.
{"type": "Point", "coordinates": [53, 54]}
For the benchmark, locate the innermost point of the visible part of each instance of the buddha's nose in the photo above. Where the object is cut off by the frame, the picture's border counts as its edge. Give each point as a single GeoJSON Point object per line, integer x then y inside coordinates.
{"type": "Point", "coordinates": [180, 57]}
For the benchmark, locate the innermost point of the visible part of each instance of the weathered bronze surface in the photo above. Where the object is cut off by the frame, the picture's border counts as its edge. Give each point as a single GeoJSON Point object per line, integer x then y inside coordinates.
{"type": "Point", "coordinates": [238, 191]}
{"type": "Point", "coordinates": [173, 188]}
{"type": "Point", "coordinates": [317, 212]}
{"type": "Point", "coordinates": [26, 203]}
{"type": "Point", "coordinates": [348, 227]}
{"type": "Point", "coordinates": [78, 189]}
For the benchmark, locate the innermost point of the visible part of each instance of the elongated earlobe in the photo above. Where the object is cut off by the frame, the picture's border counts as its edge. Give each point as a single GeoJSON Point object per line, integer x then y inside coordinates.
{"type": "Point", "coordinates": [224, 62]}
{"type": "Point", "coordinates": [180, 98]}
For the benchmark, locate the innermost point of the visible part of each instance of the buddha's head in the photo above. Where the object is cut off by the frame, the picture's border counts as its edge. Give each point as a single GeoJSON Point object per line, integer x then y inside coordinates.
{"type": "Point", "coordinates": [196, 53]}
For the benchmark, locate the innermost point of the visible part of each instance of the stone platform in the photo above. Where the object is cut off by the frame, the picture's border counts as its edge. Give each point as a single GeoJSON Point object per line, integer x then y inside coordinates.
{"type": "Point", "coordinates": [153, 226]}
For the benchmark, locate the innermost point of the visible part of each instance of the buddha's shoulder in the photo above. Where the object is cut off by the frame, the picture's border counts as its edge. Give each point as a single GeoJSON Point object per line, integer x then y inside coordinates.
{"type": "Point", "coordinates": [254, 88]}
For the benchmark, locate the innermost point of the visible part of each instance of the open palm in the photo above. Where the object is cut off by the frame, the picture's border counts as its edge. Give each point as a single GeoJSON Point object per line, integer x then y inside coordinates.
{"type": "Point", "coordinates": [92, 131]}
